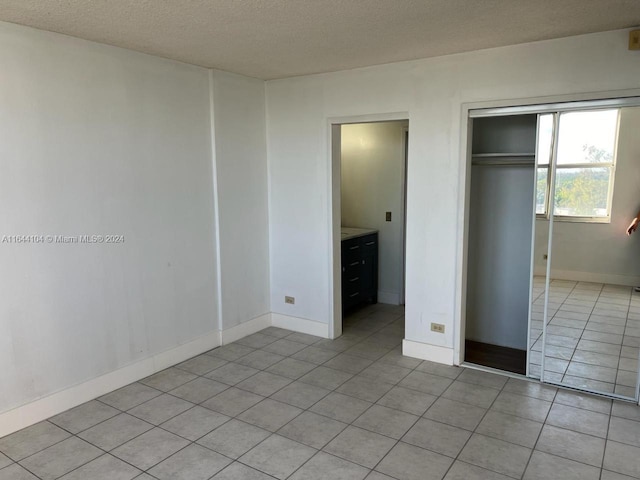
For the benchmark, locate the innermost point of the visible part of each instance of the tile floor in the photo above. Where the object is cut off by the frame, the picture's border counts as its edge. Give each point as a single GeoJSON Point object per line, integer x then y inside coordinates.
{"type": "Point", "coordinates": [284, 405]}
{"type": "Point", "coordinates": [593, 335]}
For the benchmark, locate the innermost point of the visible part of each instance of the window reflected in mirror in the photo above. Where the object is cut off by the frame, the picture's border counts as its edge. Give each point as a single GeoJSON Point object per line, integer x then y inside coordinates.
{"type": "Point", "coordinates": [584, 164]}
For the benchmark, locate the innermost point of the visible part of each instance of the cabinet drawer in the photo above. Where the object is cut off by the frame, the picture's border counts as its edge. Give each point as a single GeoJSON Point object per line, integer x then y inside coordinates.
{"type": "Point", "coordinates": [351, 297]}
{"type": "Point", "coordinates": [369, 245]}
{"type": "Point", "coordinates": [359, 270]}
{"type": "Point", "coordinates": [351, 283]}
{"type": "Point", "coordinates": [352, 269]}
{"type": "Point", "coordinates": [351, 251]}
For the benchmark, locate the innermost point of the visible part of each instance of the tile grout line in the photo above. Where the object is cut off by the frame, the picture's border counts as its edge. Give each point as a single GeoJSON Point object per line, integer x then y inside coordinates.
{"type": "Point", "coordinates": [474, 433]}
{"type": "Point", "coordinates": [308, 410]}
{"type": "Point", "coordinates": [133, 438]}
{"type": "Point", "coordinates": [533, 449]}
{"type": "Point", "coordinates": [415, 368]}
{"type": "Point", "coordinates": [564, 374]}
{"type": "Point", "coordinates": [624, 332]}
{"type": "Point", "coordinates": [378, 361]}
{"type": "Point", "coordinates": [601, 301]}
{"type": "Point", "coordinates": [351, 424]}
{"type": "Point", "coordinates": [334, 390]}
{"type": "Point", "coordinates": [191, 442]}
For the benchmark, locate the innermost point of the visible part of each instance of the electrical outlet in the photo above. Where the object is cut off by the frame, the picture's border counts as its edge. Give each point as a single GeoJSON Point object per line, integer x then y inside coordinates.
{"type": "Point", "coordinates": [437, 327]}
{"type": "Point", "coordinates": [388, 216]}
{"type": "Point", "coordinates": [290, 300]}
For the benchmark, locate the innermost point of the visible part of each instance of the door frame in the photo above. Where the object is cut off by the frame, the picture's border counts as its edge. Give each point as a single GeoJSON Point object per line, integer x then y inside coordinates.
{"type": "Point", "coordinates": [403, 206]}
{"type": "Point", "coordinates": [506, 107]}
{"type": "Point", "coordinates": [334, 162]}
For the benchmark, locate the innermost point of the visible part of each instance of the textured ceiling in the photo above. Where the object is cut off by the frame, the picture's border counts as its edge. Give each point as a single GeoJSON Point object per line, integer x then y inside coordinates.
{"type": "Point", "coordinates": [281, 38]}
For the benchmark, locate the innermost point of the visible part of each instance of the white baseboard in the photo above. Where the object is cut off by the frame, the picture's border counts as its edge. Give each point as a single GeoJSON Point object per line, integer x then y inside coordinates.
{"type": "Point", "coordinates": [254, 325]}
{"type": "Point", "coordinates": [577, 276]}
{"type": "Point", "coordinates": [46, 407]}
{"type": "Point", "coordinates": [390, 298]}
{"type": "Point", "coordinates": [425, 351]}
{"type": "Point", "coordinates": [301, 325]}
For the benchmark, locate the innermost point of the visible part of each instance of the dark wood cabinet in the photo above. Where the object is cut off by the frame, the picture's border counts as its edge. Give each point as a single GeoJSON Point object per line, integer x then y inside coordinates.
{"type": "Point", "coordinates": [359, 270]}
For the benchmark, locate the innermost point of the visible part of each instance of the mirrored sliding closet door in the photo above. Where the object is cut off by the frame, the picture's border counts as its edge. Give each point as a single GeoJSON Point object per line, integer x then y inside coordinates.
{"type": "Point", "coordinates": [551, 271]}
{"type": "Point", "coordinates": [587, 193]}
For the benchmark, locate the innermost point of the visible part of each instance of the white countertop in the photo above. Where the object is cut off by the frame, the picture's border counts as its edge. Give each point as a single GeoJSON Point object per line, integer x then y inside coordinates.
{"type": "Point", "coordinates": [347, 233]}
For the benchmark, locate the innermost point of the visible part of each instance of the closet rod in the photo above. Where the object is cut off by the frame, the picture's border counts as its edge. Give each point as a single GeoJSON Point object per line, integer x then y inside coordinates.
{"type": "Point", "coordinates": [505, 163]}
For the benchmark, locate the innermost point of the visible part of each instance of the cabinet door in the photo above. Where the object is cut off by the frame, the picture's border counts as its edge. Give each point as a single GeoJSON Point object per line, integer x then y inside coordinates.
{"type": "Point", "coordinates": [369, 268]}
{"type": "Point", "coordinates": [351, 272]}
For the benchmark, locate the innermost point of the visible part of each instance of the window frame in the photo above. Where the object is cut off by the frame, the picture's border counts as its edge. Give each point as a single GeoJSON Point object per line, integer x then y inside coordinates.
{"type": "Point", "coordinates": [552, 166]}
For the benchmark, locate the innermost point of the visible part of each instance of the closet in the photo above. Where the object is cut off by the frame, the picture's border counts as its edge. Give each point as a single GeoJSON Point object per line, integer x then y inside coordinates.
{"type": "Point", "coordinates": [499, 248]}
{"type": "Point", "coordinates": [550, 271]}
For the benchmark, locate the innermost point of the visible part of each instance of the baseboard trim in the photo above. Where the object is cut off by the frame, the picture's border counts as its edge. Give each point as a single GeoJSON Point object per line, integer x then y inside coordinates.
{"type": "Point", "coordinates": [301, 325]}
{"type": "Point", "coordinates": [31, 413]}
{"type": "Point", "coordinates": [577, 276]}
{"type": "Point", "coordinates": [426, 351]}
{"type": "Point", "coordinates": [21, 417]}
{"type": "Point", "coordinates": [390, 298]}
{"type": "Point", "coordinates": [246, 328]}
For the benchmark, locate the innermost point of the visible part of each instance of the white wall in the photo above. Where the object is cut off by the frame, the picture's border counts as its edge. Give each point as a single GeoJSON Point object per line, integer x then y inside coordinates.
{"type": "Point", "coordinates": [372, 159]}
{"type": "Point", "coordinates": [432, 91]}
{"type": "Point", "coordinates": [95, 139]}
{"type": "Point", "coordinates": [100, 140]}
{"type": "Point", "coordinates": [601, 252]}
{"type": "Point", "coordinates": [241, 172]}
{"type": "Point", "coordinates": [499, 265]}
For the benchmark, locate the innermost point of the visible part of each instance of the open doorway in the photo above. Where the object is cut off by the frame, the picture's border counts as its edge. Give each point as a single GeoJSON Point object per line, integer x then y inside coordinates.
{"type": "Point", "coordinates": [369, 192]}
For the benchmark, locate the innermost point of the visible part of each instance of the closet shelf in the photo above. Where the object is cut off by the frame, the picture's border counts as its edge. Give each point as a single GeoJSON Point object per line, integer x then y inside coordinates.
{"type": "Point", "coordinates": [502, 155]}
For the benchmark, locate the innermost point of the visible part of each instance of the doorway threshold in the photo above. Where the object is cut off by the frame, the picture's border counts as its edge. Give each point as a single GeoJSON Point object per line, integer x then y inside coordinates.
{"type": "Point", "coordinates": [496, 356]}
{"type": "Point", "coordinates": [497, 371]}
